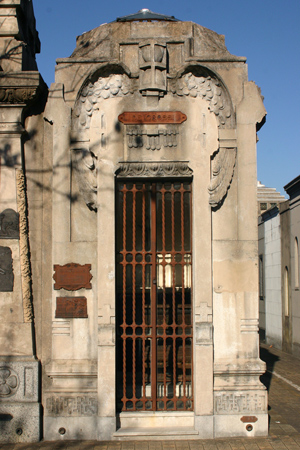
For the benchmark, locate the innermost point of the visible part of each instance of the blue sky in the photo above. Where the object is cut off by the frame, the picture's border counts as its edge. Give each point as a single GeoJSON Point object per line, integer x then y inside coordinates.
{"type": "Point", "coordinates": [267, 32]}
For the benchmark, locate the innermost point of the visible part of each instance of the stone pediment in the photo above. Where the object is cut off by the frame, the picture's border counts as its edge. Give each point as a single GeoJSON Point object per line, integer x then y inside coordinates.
{"type": "Point", "coordinates": [195, 41]}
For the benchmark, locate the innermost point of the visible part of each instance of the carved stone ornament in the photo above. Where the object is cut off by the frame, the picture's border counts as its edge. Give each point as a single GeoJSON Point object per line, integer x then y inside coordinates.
{"type": "Point", "coordinates": [152, 138]}
{"type": "Point", "coordinates": [154, 169]}
{"type": "Point", "coordinates": [9, 382]}
{"type": "Point", "coordinates": [208, 88]}
{"type": "Point", "coordinates": [71, 308]}
{"type": "Point", "coordinates": [18, 95]}
{"type": "Point", "coordinates": [71, 406]}
{"type": "Point", "coordinates": [242, 402]}
{"type": "Point", "coordinates": [9, 224]}
{"type": "Point", "coordinates": [105, 87]}
{"type": "Point", "coordinates": [72, 276]}
{"type": "Point", "coordinates": [6, 270]}
{"type": "Point", "coordinates": [26, 274]}
{"type": "Point", "coordinates": [153, 68]}
{"type": "Point", "coordinates": [222, 172]}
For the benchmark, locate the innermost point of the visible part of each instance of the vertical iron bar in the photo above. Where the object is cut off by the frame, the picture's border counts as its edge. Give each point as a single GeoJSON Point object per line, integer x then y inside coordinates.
{"type": "Point", "coordinates": [183, 294]}
{"type": "Point", "coordinates": [143, 298]}
{"type": "Point", "coordinates": [134, 337]}
{"type": "Point", "coordinates": [173, 291]}
{"type": "Point", "coordinates": [153, 297]}
{"type": "Point", "coordinates": [124, 296]}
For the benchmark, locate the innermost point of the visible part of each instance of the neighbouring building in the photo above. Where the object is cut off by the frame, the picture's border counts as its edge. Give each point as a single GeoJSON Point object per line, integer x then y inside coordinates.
{"type": "Point", "coordinates": [267, 198]}
{"type": "Point", "coordinates": [128, 239]}
{"type": "Point", "coordinates": [278, 246]}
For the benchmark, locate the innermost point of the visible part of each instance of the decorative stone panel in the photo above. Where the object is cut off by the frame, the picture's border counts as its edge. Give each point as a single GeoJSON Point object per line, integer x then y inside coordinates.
{"type": "Point", "coordinates": [71, 405]}
{"type": "Point", "coordinates": [19, 381]}
{"type": "Point", "coordinates": [240, 402]}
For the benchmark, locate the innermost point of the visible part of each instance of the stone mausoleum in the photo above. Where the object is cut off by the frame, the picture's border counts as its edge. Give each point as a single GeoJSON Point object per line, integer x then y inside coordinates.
{"type": "Point", "coordinates": [128, 235]}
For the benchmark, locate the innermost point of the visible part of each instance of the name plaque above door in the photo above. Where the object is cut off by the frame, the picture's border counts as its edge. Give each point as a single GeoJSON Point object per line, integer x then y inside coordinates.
{"type": "Point", "coordinates": [151, 117]}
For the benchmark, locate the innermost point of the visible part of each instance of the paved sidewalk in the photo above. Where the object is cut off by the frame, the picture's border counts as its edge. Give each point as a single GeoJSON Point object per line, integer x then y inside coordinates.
{"type": "Point", "coordinates": [283, 382]}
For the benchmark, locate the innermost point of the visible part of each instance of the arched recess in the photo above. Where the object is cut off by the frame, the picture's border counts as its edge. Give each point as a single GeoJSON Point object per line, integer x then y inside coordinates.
{"type": "Point", "coordinates": [113, 80]}
{"type": "Point", "coordinates": [107, 81]}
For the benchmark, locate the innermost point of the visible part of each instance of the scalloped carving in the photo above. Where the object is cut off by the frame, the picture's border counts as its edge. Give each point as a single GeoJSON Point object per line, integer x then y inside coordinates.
{"type": "Point", "coordinates": [105, 87]}
{"type": "Point", "coordinates": [222, 174]}
{"type": "Point", "coordinates": [208, 88]}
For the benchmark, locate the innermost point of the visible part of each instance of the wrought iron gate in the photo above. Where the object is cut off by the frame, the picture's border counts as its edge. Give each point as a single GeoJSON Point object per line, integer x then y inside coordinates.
{"type": "Point", "coordinates": [154, 305]}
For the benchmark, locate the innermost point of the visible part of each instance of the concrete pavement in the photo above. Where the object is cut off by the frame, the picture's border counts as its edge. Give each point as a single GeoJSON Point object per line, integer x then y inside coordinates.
{"type": "Point", "coordinates": [283, 382]}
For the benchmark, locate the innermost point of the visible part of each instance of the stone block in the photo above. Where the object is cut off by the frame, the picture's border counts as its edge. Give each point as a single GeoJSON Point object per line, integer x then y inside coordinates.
{"type": "Point", "coordinates": [20, 422]}
{"type": "Point", "coordinates": [19, 381]}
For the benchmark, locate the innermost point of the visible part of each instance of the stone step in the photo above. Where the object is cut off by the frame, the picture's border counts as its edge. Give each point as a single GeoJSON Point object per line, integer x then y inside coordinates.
{"type": "Point", "coordinates": [139, 433]}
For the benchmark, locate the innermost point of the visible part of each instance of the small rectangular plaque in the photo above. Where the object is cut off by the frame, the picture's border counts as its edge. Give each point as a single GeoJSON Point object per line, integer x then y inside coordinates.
{"type": "Point", "coordinates": [72, 276]}
{"type": "Point", "coordinates": [151, 117]}
{"type": "Point", "coordinates": [249, 419]}
{"type": "Point", "coordinates": [71, 308]}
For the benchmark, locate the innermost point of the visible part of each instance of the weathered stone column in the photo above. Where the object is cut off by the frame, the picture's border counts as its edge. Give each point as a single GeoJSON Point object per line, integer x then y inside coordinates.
{"type": "Point", "coordinates": [19, 368]}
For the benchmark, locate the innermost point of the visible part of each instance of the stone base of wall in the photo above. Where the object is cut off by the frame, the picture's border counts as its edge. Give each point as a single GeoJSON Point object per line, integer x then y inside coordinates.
{"type": "Point", "coordinates": [233, 426]}
{"type": "Point", "coordinates": [20, 410]}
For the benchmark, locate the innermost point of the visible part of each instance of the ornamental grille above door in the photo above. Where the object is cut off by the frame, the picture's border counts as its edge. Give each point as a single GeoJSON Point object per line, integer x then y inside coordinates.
{"type": "Point", "coordinates": [154, 301]}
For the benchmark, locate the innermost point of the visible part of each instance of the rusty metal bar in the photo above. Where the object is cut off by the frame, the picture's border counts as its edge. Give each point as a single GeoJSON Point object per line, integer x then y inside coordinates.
{"type": "Point", "coordinates": [153, 296]}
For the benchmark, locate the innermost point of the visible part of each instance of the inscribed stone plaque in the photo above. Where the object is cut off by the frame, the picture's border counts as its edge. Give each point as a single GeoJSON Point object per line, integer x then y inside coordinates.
{"type": "Point", "coordinates": [151, 117]}
{"type": "Point", "coordinates": [6, 270]}
{"type": "Point", "coordinates": [72, 276]}
{"type": "Point", "coordinates": [71, 308]}
{"type": "Point", "coordinates": [9, 224]}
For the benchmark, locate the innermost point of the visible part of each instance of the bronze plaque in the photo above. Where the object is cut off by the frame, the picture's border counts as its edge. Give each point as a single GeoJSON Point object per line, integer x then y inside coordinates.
{"type": "Point", "coordinates": [71, 308]}
{"type": "Point", "coordinates": [151, 117]}
{"type": "Point", "coordinates": [249, 419]}
{"type": "Point", "coordinates": [72, 276]}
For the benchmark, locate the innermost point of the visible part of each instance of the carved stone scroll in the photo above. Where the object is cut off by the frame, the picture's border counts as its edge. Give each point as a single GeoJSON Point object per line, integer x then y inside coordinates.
{"type": "Point", "coordinates": [155, 169]}
{"type": "Point", "coordinates": [222, 172]}
{"type": "Point", "coordinates": [71, 308]}
{"type": "Point", "coordinates": [24, 248]}
{"type": "Point", "coordinates": [72, 276]}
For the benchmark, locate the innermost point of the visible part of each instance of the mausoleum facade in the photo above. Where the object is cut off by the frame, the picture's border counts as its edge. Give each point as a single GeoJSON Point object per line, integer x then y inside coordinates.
{"type": "Point", "coordinates": [128, 240]}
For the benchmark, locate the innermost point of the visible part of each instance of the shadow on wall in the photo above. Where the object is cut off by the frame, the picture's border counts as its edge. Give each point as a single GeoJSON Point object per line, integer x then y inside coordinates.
{"type": "Point", "coordinates": [270, 361]}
